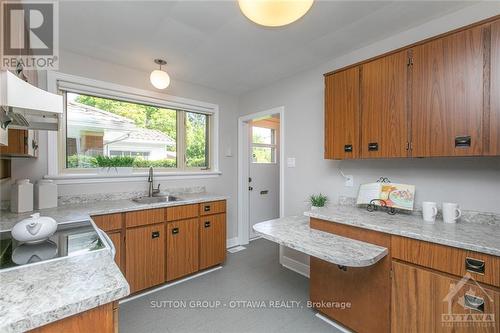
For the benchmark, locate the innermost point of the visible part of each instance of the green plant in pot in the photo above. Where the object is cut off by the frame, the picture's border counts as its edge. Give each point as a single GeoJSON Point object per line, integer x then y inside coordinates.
{"type": "Point", "coordinates": [318, 200]}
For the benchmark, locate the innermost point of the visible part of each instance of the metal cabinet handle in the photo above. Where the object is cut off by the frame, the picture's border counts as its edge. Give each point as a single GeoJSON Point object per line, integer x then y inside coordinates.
{"type": "Point", "coordinates": [175, 231]}
{"type": "Point", "coordinates": [207, 224]}
{"type": "Point", "coordinates": [155, 234]}
{"type": "Point", "coordinates": [206, 208]}
{"type": "Point", "coordinates": [348, 148]}
{"type": "Point", "coordinates": [463, 141]}
{"type": "Point", "coordinates": [373, 146]}
{"type": "Point", "coordinates": [474, 302]}
{"type": "Point", "coordinates": [474, 265]}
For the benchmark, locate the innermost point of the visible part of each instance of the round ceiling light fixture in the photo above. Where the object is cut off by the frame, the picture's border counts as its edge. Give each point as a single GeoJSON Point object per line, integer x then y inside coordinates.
{"type": "Point", "coordinates": [274, 13]}
{"type": "Point", "coordinates": [160, 78]}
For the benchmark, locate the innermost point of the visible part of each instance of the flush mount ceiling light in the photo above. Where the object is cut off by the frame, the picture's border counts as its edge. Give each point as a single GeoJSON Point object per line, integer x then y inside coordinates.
{"type": "Point", "coordinates": [274, 13]}
{"type": "Point", "coordinates": [159, 78]}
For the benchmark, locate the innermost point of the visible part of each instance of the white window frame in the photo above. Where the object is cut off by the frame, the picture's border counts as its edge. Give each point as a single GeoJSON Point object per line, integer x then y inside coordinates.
{"type": "Point", "coordinates": [56, 82]}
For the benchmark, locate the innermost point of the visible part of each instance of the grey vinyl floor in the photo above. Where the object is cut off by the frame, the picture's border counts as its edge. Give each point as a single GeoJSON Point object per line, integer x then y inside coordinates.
{"type": "Point", "coordinates": [243, 296]}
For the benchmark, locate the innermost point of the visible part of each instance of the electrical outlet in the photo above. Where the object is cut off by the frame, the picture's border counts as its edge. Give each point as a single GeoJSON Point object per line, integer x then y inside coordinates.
{"type": "Point", "coordinates": [349, 181]}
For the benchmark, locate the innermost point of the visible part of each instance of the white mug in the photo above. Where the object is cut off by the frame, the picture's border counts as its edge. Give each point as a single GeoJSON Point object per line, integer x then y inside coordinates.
{"type": "Point", "coordinates": [451, 212]}
{"type": "Point", "coordinates": [429, 211]}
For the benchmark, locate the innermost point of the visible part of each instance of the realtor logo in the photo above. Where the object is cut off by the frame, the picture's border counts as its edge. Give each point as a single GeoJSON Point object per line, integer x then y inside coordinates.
{"type": "Point", "coordinates": [468, 305]}
{"type": "Point", "coordinates": [29, 34]}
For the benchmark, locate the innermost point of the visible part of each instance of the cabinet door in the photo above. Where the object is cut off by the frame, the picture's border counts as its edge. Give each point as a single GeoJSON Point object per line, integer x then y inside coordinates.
{"type": "Point", "coordinates": [17, 143]}
{"type": "Point", "coordinates": [212, 240]}
{"type": "Point", "coordinates": [342, 115]}
{"type": "Point", "coordinates": [182, 248]}
{"type": "Point", "coordinates": [412, 305]}
{"type": "Point", "coordinates": [427, 301]}
{"type": "Point", "coordinates": [384, 121]}
{"type": "Point", "coordinates": [116, 238]}
{"type": "Point", "coordinates": [145, 256]}
{"type": "Point", "coordinates": [447, 95]}
{"type": "Point", "coordinates": [493, 123]}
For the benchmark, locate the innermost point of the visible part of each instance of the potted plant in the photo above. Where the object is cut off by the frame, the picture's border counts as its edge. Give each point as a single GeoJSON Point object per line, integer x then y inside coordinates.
{"type": "Point", "coordinates": [119, 164]}
{"type": "Point", "coordinates": [317, 201]}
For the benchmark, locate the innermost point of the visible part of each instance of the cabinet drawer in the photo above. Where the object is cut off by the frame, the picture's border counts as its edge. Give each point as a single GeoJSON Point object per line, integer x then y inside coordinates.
{"type": "Point", "coordinates": [108, 222]}
{"type": "Point", "coordinates": [482, 267]}
{"type": "Point", "coordinates": [214, 207]}
{"type": "Point", "coordinates": [182, 212]}
{"type": "Point", "coordinates": [144, 217]}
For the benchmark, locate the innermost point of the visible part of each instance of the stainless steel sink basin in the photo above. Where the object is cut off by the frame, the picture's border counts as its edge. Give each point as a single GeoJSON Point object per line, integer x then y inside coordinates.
{"type": "Point", "coordinates": [157, 199]}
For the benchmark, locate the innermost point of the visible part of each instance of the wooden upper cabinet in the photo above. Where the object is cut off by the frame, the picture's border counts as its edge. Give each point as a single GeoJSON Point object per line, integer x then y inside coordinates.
{"type": "Point", "coordinates": [447, 95]}
{"type": "Point", "coordinates": [342, 114]}
{"type": "Point", "coordinates": [384, 122]}
{"type": "Point", "coordinates": [492, 127]}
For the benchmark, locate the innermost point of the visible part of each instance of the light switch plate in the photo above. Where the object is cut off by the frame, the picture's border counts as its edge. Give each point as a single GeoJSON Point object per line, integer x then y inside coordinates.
{"type": "Point", "coordinates": [349, 181]}
{"type": "Point", "coordinates": [290, 162]}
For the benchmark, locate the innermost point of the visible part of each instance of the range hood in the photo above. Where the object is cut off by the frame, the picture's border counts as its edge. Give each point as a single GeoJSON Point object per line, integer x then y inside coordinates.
{"type": "Point", "coordinates": [25, 106]}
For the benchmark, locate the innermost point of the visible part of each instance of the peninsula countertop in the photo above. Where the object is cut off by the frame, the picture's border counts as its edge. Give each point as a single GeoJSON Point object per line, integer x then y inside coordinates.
{"type": "Point", "coordinates": [479, 234]}
{"type": "Point", "coordinates": [78, 212]}
{"type": "Point", "coordinates": [294, 232]}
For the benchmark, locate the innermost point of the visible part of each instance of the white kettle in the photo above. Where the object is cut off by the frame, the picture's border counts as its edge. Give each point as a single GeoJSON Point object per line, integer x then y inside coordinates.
{"type": "Point", "coordinates": [35, 229]}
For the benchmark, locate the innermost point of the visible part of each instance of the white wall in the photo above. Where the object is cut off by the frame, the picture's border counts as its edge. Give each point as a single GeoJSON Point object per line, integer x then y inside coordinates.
{"type": "Point", "coordinates": [226, 184]}
{"type": "Point", "coordinates": [472, 182]}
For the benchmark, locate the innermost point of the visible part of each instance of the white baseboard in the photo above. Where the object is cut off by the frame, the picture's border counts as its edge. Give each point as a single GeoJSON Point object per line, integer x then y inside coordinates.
{"type": "Point", "coordinates": [295, 266]}
{"type": "Point", "coordinates": [230, 242]}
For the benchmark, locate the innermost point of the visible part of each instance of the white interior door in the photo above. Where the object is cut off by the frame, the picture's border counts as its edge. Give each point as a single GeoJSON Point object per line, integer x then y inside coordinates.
{"type": "Point", "coordinates": [263, 185]}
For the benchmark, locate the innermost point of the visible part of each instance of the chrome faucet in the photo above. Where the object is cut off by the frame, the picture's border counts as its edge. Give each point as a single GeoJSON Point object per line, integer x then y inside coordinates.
{"type": "Point", "coordinates": [152, 191]}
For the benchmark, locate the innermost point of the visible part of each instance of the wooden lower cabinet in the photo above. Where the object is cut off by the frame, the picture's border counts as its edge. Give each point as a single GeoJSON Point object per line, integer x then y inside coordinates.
{"type": "Point", "coordinates": [182, 248]}
{"type": "Point", "coordinates": [427, 301]}
{"type": "Point", "coordinates": [145, 256]}
{"type": "Point", "coordinates": [100, 319]}
{"type": "Point", "coordinates": [116, 238]}
{"type": "Point", "coordinates": [212, 240]}
{"type": "Point", "coordinates": [366, 290]}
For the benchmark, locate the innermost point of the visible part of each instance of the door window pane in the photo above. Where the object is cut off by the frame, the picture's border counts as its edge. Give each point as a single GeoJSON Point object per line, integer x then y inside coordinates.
{"type": "Point", "coordinates": [262, 135]}
{"type": "Point", "coordinates": [263, 154]}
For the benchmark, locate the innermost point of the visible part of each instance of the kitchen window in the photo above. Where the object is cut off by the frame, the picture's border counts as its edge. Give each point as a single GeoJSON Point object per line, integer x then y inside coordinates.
{"type": "Point", "coordinates": [263, 145]}
{"type": "Point", "coordinates": [102, 130]}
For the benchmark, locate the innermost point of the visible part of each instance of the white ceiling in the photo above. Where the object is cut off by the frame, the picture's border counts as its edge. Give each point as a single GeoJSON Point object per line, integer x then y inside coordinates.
{"type": "Point", "coordinates": [211, 43]}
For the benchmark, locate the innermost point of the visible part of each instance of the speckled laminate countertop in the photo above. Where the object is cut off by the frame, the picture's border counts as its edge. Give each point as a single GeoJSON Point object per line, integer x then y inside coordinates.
{"type": "Point", "coordinates": [35, 295]}
{"type": "Point", "coordinates": [480, 236]}
{"type": "Point", "coordinates": [294, 232]}
{"type": "Point", "coordinates": [78, 212]}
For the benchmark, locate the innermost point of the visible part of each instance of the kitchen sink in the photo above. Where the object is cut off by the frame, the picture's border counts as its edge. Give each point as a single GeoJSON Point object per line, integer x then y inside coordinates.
{"type": "Point", "coordinates": [156, 199]}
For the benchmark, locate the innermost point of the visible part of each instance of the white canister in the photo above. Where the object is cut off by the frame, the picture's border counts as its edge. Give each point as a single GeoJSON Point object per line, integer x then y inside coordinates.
{"type": "Point", "coordinates": [21, 196]}
{"type": "Point", "coordinates": [45, 194]}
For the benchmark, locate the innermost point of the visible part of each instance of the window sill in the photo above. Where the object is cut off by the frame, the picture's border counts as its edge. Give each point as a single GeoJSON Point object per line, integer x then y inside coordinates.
{"type": "Point", "coordinates": [86, 178]}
